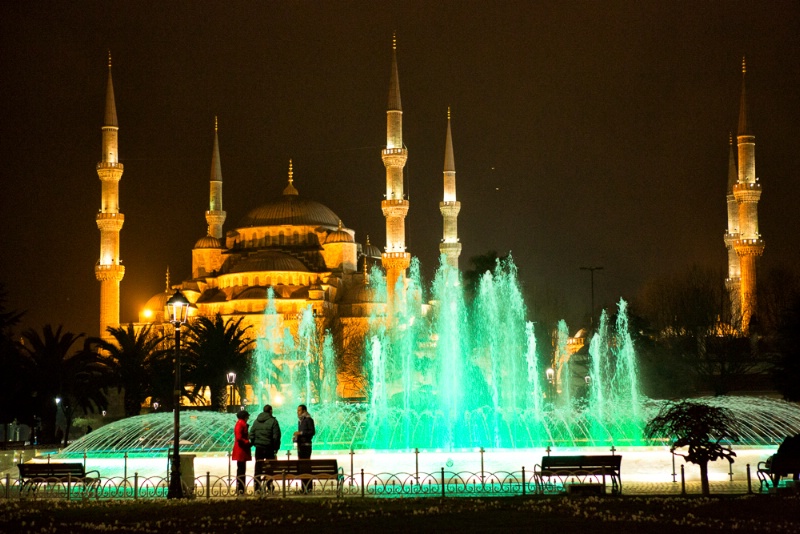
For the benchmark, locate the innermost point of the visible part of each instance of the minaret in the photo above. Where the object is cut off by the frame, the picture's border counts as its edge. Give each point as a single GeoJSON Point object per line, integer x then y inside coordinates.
{"type": "Point", "coordinates": [732, 282]}
{"type": "Point", "coordinates": [449, 206]}
{"type": "Point", "coordinates": [395, 259]}
{"type": "Point", "coordinates": [108, 270]}
{"type": "Point", "coordinates": [215, 216]}
{"type": "Point", "coordinates": [747, 193]}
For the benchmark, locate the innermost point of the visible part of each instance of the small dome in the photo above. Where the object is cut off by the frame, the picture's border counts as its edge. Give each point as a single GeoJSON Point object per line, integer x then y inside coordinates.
{"type": "Point", "coordinates": [269, 261]}
{"type": "Point", "coordinates": [339, 236]}
{"type": "Point", "coordinates": [208, 242]}
{"type": "Point", "coordinates": [362, 293]}
{"type": "Point", "coordinates": [158, 302]}
{"type": "Point", "coordinates": [371, 251]}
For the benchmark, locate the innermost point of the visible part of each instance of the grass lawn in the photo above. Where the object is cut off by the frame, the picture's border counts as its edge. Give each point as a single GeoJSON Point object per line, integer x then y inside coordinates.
{"type": "Point", "coordinates": [561, 515]}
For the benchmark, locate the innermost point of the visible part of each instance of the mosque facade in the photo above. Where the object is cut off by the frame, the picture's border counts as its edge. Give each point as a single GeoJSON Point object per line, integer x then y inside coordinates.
{"type": "Point", "coordinates": [286, 255]}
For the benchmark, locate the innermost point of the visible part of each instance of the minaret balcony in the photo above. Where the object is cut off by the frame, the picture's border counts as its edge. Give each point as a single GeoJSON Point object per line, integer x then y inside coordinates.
{"type": "Point", "coordinates": [109, 272]}
{"type": "Point", "coordinates": [110, 165]}
{"type": "Point", "coordinates": [749, 247]}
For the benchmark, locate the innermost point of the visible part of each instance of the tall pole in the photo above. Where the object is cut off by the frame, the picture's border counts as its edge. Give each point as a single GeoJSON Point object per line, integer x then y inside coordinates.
{"type": "Point", "coordinates": [591, 275]}
{"type": "Point", "coordinates": [175, 490]}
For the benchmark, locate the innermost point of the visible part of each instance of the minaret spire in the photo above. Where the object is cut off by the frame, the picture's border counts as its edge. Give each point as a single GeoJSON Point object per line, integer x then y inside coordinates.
{"type": "Point", "coordinates": [395, 259]}
{"type": "Point", "coordinates": [450, 207]}
{"type": "Point", "coordinates": [743, 126]}
{"type": "Point", "coordinates": [109, 270]}
{"type": "Point", "coordinates": [215, 216]}
{"type": "Point", "coordinates": [747, 193]}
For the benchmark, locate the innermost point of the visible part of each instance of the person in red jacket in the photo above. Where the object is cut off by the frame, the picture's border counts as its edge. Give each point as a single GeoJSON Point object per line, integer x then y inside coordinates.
{"type": "Point", "coordinates": [241, 449]}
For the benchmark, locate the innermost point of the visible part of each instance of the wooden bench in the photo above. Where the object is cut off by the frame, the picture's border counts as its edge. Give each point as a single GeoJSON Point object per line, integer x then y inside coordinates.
{"type": "Point", "coordinates": [770, 472]}
{"type": "Point", "coordinates": [581, 469]}
{"type": "Point", "coordinates": [34, 475]}
{"type": "Point", "coordinates": [304, 470]}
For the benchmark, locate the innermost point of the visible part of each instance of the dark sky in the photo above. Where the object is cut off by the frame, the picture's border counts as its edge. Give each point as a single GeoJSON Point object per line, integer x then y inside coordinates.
{"type": "Point", "coordinates": [586, 133]}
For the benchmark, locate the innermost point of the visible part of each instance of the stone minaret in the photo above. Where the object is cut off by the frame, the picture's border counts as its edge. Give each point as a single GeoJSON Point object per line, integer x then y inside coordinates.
{"type": "Point", "coordinates": [207, 252]}
{"type": "Point", "coordinates": [449, 206]}
{"type": "Point", "coordinates": [733, 281]}
{"type": "Point", "coordinates": [215, 216]}
{"type": "Point", "coordinates": [109, 270]}
{"type": "Point", "coordinates": [395, 259]}
{"type": "Point", "coordinates": [747, 193]}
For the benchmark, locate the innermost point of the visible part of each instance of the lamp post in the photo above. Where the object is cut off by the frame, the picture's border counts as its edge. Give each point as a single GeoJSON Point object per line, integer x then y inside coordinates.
{"type": "Point", "coordinates": [551, 379]}
{"type": "Point", "coordinates": [232, 384]}
{"type": "Point", "coordinates": [177, 311]}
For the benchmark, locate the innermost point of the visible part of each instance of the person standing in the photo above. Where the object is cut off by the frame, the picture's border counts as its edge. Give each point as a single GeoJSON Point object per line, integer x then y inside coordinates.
{"type": "Point", "coordinates": [241, 449]}
{"type": "Point", "coordinates": [303, 436]}
{"type": "Point", "coordinates": [265, 434]}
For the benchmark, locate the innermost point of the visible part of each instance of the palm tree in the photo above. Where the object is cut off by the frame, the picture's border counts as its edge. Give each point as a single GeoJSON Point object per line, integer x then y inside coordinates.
{"type": "Point", "coordinates": [213, 349]}
{"type": "Point", "coordinates": [133, 358]}
{"type": "Point", "coordinates": [78, 378]}
{"type": "Point", "coordinates": [699, 427]}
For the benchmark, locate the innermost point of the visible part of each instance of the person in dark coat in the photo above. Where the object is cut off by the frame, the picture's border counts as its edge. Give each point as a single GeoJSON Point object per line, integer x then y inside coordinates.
{"type": "Point", "coordinates": [265, 435]}
{"type": "Point", "coordinates": [241, 449]}
{"type": "Point", "coordinates": [303, 436]}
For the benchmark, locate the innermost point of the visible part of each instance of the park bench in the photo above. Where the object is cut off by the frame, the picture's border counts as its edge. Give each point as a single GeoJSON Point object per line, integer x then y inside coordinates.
{"type": "Point", "coordinates": [304, 470]}
{"type": "Point", "coordinates": [785, 462]}
{"type": "Point", "coordinates": [777, 466]}
{"type": "Point", "coordinates": [34, 475]}
{"type": "Point", "coordinates": [11, 445]}
{"type": "Point", "coordinates": [581, 470]}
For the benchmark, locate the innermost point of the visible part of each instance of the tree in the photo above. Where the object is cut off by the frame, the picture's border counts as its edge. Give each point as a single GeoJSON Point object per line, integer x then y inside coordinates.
{"type": "Point", "coordinates": [12, 389]}
{"type": "Point", "coordinates": [481, 264]}
{"type": "Point", "coordinates": [700, 428]}
{"type": "Point", "coordinates": [214, 348]}
{"type": "Point", "coordinates": [55, 369]}
{"type": "Point", "coordinates": [132, 357]}
{"type": "Point", "coordinates": [786, 369]}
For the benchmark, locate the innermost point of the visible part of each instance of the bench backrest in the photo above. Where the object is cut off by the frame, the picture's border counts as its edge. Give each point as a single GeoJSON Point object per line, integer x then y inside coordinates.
{"type": "Point", "coordinates": [51, 470]}
{"type": "Point", "coordinates": [322, 466]}
{"type": "Point", "coordinates": [598, 462]}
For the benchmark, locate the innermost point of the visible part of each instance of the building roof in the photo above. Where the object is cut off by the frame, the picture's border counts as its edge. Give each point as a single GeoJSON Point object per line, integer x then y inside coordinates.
{"type": "Point", "coordinates": [269, 260]}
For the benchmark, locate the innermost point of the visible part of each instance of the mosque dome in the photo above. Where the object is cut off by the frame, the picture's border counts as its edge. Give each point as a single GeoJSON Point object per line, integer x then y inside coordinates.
{"type": "Point", "coordinates": [208, 242]}
{"type": "Point", "coordinates": [290, 209]}
{"type": "Point", "coordinates": [158, 302]}
{"type": "Point", "coordinates": [339, 236]}
{"type": "Point", "coordinates": [362, 293]}
{"type": "Point", "coordinates": [371, 251]}
{"type": "Point", "coordinates": [271, 260]}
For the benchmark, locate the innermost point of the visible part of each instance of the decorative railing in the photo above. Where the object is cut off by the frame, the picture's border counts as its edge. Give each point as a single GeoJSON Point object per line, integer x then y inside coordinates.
{"type": "Point", "coordinates": [441, 484]}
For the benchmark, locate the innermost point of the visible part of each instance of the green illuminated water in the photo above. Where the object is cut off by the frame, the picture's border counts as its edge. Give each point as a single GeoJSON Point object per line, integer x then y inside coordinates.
{"type": "Point", "coordinates": [454, 376]}
{"type": "Point", "coordinates": [461, 375]}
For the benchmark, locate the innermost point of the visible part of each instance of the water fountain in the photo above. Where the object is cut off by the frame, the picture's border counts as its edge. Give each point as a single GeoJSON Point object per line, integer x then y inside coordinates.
{"type": "Point", "coordinates": [457, 378]}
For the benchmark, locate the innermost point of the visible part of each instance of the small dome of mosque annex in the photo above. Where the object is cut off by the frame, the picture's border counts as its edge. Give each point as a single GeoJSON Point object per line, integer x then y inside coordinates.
{"type": "Point", "coordinates": [208, 242]}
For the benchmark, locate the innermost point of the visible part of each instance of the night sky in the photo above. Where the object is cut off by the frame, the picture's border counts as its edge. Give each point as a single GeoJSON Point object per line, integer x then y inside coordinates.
{"type": "Point", "coordinates": [585, 133]}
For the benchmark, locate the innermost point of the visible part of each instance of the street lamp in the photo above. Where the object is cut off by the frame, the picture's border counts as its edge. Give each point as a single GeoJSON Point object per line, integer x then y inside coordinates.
{"type": "Point", "coordinates": [232, 383]}
{"type": "Point", "coordinates": [177, 311]}
{"type": "Point", "coordinates": [551, 380]}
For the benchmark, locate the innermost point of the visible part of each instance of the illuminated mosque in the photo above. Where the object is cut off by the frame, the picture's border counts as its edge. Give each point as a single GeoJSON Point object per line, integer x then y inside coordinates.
{"type": "Point", "coordinates": [294, 252]}
{"type": "Point", "coordinates": [292, 248]}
